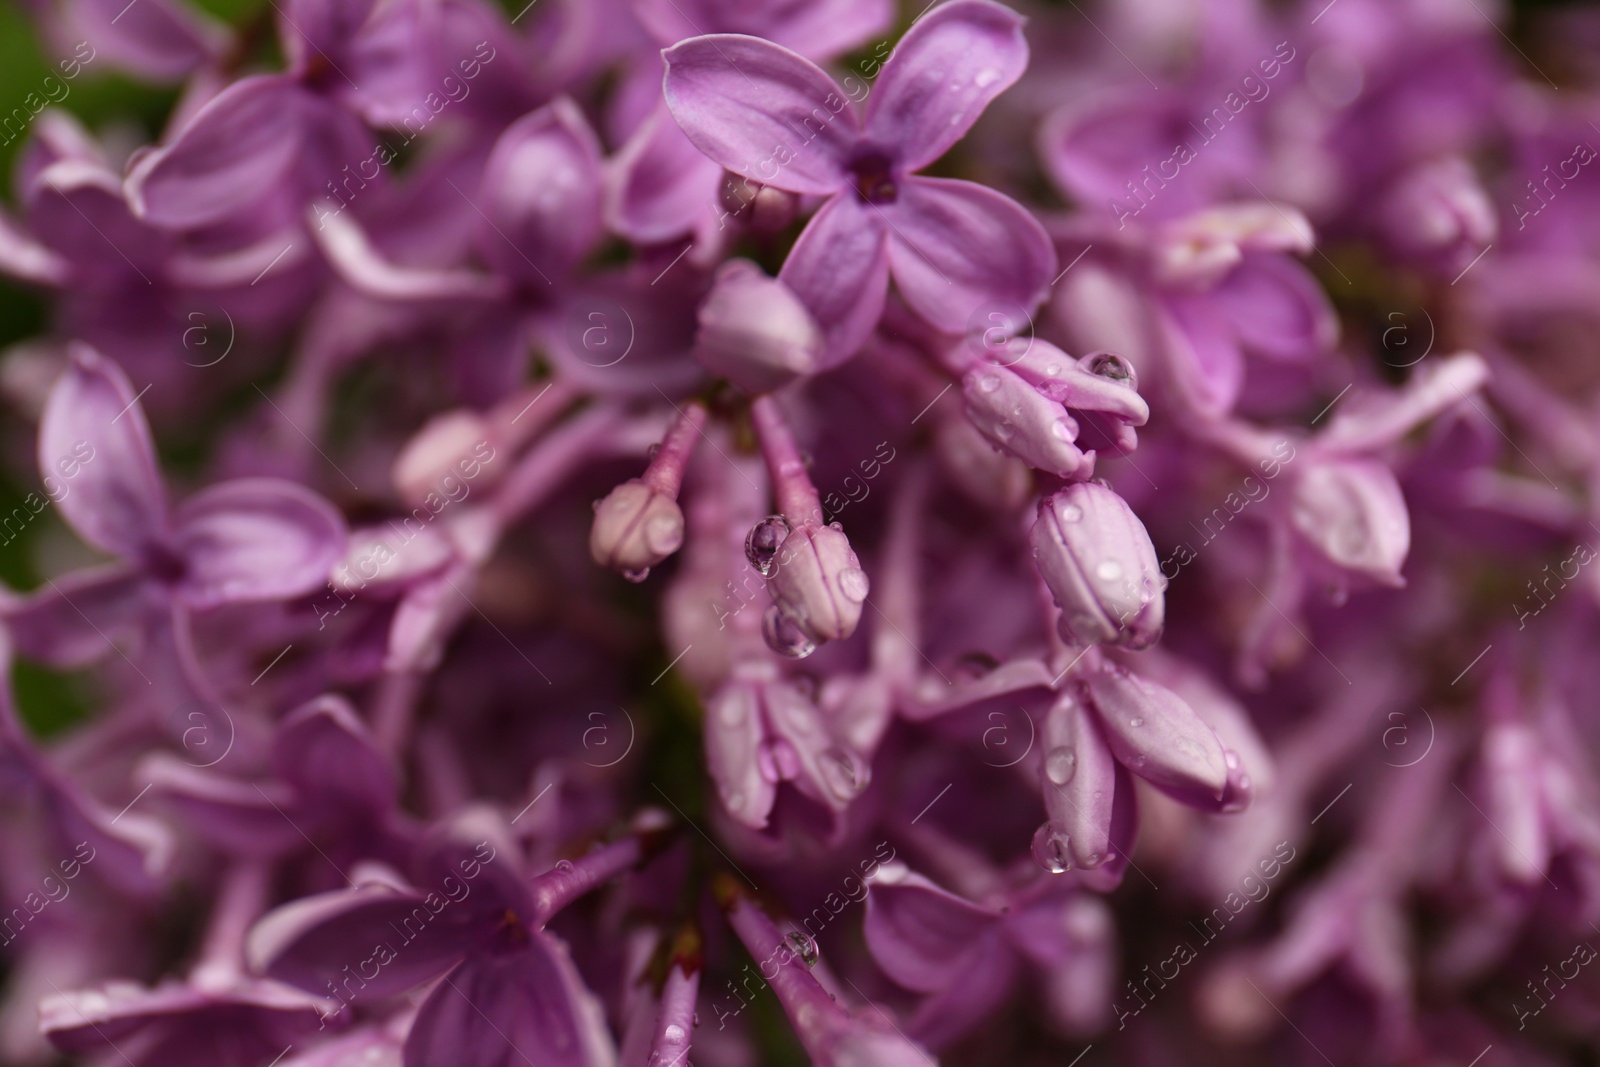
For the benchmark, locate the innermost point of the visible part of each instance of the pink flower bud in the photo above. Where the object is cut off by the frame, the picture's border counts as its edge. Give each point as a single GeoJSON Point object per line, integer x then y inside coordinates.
{"type": "Point", "coordinates": [440, 456]}
{"type": "Point", "coordinates": [819, 585]}
{"type": "Point", "coordinates": [1097, 559]}
{"type": "Point", "coordinates": [635, 527]}
{"type": "Point", "coordinates": [754, 331]}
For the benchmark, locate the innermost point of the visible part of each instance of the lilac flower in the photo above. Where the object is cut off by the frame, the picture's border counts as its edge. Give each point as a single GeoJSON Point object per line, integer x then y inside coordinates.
{"type": "Point", "coordinates": [767, 114]}
{"type": "Point", "coordinates": [969, 956]}
{"type": "Point", "coordinates": [243, 541]}
{"type": "Point", "coordinates": [475, 922]}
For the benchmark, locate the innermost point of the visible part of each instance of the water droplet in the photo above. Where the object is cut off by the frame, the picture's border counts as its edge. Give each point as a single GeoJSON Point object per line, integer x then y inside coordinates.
{"type": "Point", "coordinates": [655, 448]}
{"type": "Point", "coordinates": [1140, 761]}
{"type": "Point", "coordinates": [1231, 758]}
{"type": "Point", "coordinates": [988, 383]}
{"type": "Point", "coordinates": [1060, 765]}
{"type": "Point", "coordinates": [1136, 722]}
{"type": "Point", "coordinates": [697, 1018]}
{"type": "Point", "coordinates": [853, 584]}
{"type": "Point", "coordinates": [804, 947]}
{"type": "Point", "coordinates": [1111, 366]}
{"type": "Point", "coordinates": [563, 865]}
{"type": "Point", "coordinates": [836, 525]}
{"type": "Point", "coordinates": [674, 1033]}
{"type": "Point", "coordinates": [637, 576]}
{"type": "Point", "coordinates": [1050, 849]}
{"type": "Point", "coordinates": [762, 543]}
{"type": "Point", "coordinates": [1108, 570]}
{"type": "Point", "coordinates": [843, 772]}
{"type": "Point", "coordinates": [783, 636]}
{"type": "Point", "coordinates": [1071, 513]}
{"type": "Point", "coordinates": [1093, 859]}
{"type": "Point", "coordinates": [1053, 370]}
{"type": "Point", "coordinates": [1063, 430]}
{"type": "Point", "coordinates": [986, 77]}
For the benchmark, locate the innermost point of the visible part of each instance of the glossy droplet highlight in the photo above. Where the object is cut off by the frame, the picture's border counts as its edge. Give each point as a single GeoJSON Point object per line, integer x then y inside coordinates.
{"type": "Point", "coordinates": [637, 576]}
{"type": "Point", "coordinates": [762, 543]}
{"type": "Point", "coordinates": [1060, 765]}
{"type": "Point", "coordinates": [1108, 570]}
{"type": "Point", "coordinates": [784, 636]}
{"type": "Point", "coordinates": [1050, 849]}
{"type": "Point", "coordinates": [1112, 367]}
{"type": "Point", "coordinates": [804, 947]}
{"type": "Point", "coordinates": [989, 383]}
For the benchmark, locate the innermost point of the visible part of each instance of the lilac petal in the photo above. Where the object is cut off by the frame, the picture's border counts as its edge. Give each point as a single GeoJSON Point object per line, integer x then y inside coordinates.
{"type": "Point", "coordinates": [502, 1009]}
{"type": "Point", "coordinates": [368, 271]}
{"type": "Point", "coordinates": [1078, 777]}
{"type": "Point", "coordinates": [131, 851]}
{"type": "Point", "coordinates": [540, 195]}
{"type": "Point", "coordinates": [310, 27]}
{"type": "Point", "coordinates": [955, 246]}
{"type": "Point", "coordinates": [1013, 682]}
{"type": "Point", "coordinates": [477, 847]}
{"type": "Point", "coordinates": [1020, 421]}
{"type": "Point", "coordinates": [733, 738]}
{"type": "Point", "coordinates": [830, 771]}
{"type": "Point", "coordinates": [25, 259]}
{"type": "Point", "coordinates": [761, 111]}
{"type": "Point", "coordinates": [1157, 736]}
{"type": "Point", "coordinates": [1353, 514]}
{"type": "Point", "coordinates": [1202, 355]}
{"type": "Point", "coordinates": [659, 185]}
{"type": "Point", "coordinates": [1365, 422]}
{"type": "Point", "coordinates": [324, 750]}
{"type": "Point", "coordinates": [406, 937]}
{"type": "Point", "coordinates": [255, 539]}
{"type": "Point", "coordinates": [953, 1011]}
{"type": "Point", "coordinates": [73, 620]}
{"type": "Point", "coordinates": [245, 818]}
{"type": "Point", "coordinates": [839, 268]}
{"type": "Point", "coordinates": [922, 936]}
{"type": "Point", "coordinates": [1277, 309]}
{"type": "Point", "coordinates": [235, 149]}
{"type": "Point", "coordinates": [1072, 940]}
{"type": "Point", "coordinates": [947, 68]}
{"type": "Point", "coordinates": [87, 1019]}
{"type": "Point", "coordinates": [819, 29]}
{"type": "Point", "coordinates": [158, 41]}
{"type": "Point", "coordinates": [1513, 772]}
{"type": "Point", "coordinates": [93, 426]}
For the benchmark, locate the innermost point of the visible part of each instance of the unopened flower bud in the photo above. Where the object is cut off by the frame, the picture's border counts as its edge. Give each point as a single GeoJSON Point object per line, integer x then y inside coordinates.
{"type": "Point", "coordinates": [639, 523]}
{"type": "Point", "coordinates": [1097, 559]}
{"type": "Point", "coordinates": [1438, 214]}
{"type": "Point", "coordinates": [635, 527]}
{"type": "Point", "coordinates": [754, 331]}
{"type": "Point", "coordinates": [452, 450]}
{"type": "Point", "coordinates": [1054, 412]}
{"type": "Point", "coordinates": [819, 585]}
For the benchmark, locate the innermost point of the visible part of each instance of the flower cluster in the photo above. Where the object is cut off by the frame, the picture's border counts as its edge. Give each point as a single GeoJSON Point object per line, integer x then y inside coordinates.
{"type": "Point", "coordinates": [1150, 438]}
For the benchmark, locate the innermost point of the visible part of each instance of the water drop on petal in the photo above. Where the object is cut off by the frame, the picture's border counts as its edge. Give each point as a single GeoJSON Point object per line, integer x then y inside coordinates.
{"type": "Point", "coordinates": [783, 636]}
{"type": "Point", "coordinates": [853, 584]}
{"type": "Point", "coordinates": [1060, 765]}
{"type": "Point", "coordinates": [1050, 849]}
{"type": "Point", "coordinates": [762, 543]}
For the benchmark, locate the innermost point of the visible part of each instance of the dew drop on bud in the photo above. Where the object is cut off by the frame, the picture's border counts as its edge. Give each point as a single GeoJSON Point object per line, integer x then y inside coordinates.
{"type": "Point", "coordinates": [804, 947]}
{"type": "Point", "coordinates": [762, 543]}
{"type": "Point", "coordinates": [1050, 849]}
{"type": "Point", "coordinates": [853, 584]}
{"type": "Point", "coordinates": [637, 576]}
{"type": "Point", "coordinates": [651, 453]}
{"type": "Point", "coordinates": [783, 636]}
{"type": "Point", "coordinates": [1071, 513]}
{"type": "Point", "coordinates": [563, 865]}
{"type": "Point", "coordinates": [1060, 765]}
{"type": "Point", "coordinates": [1111, 366]}
{"type": "Point", "coordinates": [846, 775]}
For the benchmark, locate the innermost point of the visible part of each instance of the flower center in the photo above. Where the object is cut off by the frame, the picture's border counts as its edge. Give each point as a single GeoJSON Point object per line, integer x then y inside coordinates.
{"type": "Point", "coordinates": [874, 178]}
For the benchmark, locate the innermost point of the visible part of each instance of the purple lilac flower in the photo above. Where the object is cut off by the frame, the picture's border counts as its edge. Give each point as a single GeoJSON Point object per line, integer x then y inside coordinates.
{"type": "Point", "coordinates": [621, 532]}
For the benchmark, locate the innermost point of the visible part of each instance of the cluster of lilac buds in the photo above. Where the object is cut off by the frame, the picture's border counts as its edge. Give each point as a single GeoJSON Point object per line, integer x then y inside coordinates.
{"type": "Point", "coordinates": [621, 533]}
